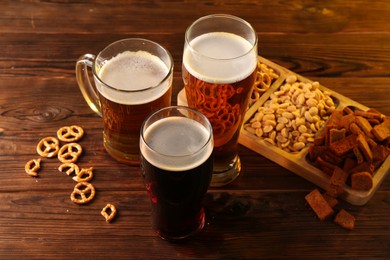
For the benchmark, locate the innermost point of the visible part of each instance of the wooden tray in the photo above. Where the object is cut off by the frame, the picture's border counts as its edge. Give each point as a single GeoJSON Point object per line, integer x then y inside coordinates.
{"type": "Point", "coordinates": [296, 162]}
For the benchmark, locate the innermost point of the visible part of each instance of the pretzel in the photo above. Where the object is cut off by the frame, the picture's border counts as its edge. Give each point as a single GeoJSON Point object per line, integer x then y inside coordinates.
{"type": "Point", "coordinates": [84, 175]}
{"type": "Point", "coordinates": [48, 147]}
{"type": "Point", "coordinates": [69, 153]}
{"type": "Point", "coordinates": [71, 167]}
{"type": "Point", "coordinates": [108, 212]}
{"type": "Point", "coordinates": [82, 193]}
{"type": "Point", "coordinates": [32, 167]}
{"type": "Point", "coordinates": [70, 133]}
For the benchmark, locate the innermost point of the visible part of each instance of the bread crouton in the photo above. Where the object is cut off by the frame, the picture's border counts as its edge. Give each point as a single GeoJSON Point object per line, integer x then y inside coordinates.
{"type": "Point", "coordinates": [345, 219]}
{"type": "Point", "coordinates": [361, 181]}
{"type": "Point", "coordinates": [364, 125]}
{"type": "Point", "coordinates": [364, 148]}
{"type": "Point", "coordinates": [381, 132]}
{"type": "Point", "coordinates": [344, 146]}
{"type": "Point", "coordinates": [319, 205]}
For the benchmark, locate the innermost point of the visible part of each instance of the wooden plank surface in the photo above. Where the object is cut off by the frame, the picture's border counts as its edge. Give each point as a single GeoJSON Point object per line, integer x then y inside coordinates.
{"type": "Point", "coordinates": [343, 44]}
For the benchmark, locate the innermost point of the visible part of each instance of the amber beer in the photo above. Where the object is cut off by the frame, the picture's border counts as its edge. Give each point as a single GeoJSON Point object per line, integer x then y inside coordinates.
{"type": "Point", "coordinates": [176, 146]}
{"type": "Point", "coordinates": [219, 71]}
{"type": "Point", "coordinates": [123, 113]}
{"type": "Point", "coordinates": [133, 77]}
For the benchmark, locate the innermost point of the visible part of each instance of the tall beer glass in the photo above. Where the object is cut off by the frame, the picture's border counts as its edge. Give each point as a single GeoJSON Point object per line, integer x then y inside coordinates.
{"type": "Point", "coordinates": [176, 160]}
{"type": "Point", "coordinates": [133, 77]}
{"type": "Point", "coordinates": [219, 71]}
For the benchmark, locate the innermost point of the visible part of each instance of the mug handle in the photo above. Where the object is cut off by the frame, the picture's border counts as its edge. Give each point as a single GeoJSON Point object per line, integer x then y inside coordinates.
{"type": "Point", "coordinates": [87, 89]}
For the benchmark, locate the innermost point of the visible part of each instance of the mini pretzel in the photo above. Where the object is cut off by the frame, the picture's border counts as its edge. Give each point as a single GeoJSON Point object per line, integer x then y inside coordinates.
{"type": "Point", "coordinates": [69, 153]}
{"type": "Point", "coordinates": [82, 193]}
{"type": "Point", "coordinates": [71, 167]}
{"type": "Point", "coordinates": [70, 133]}
{"type": "Point", "coordinates": [32, 167]}
{"type": "Point", "coordinates": [108, 212]}
{"type": "Point", "coordinates": [84, 175]}
{"type": "Point", "coordinates": [48, 147]}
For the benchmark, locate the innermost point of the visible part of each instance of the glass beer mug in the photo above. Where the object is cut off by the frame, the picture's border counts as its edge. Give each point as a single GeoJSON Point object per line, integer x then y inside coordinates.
{"type": "Point", "coordinates": [133, 77]}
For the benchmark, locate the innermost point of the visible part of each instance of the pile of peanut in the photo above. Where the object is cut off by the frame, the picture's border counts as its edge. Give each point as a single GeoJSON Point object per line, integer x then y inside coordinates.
{"type": "Point", "coordinates": [292, 115]}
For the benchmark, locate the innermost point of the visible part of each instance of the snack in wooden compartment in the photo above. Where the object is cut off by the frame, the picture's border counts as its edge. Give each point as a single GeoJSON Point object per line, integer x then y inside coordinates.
{"type": "Point", "coordinates": [48, 147]}
{"type": "Point", "coordinates": [70, 133]}
{"type": "Point", "coordinates": [382, 131]}
{"type": "Point", "coordinates": [345, 219]}
{"type": "Point", "coordinates": [293, 115]}
{"type": "Point", "coordinates": [319, 205]}
{"type": "Point", "coordinates": [361, 181]}
{"type": "Point", "coordinates": [109, 212]}
{"type": "Point", "coordinates": [32, 167]}
{"type": "Point", "coordinates": [83, 193]}
{"type": "Point", "coordinates": [356, 149]}
{"type": "Point", "coordinates": [337, 182]}
{"type": "Point", "coordinates": [264, 78]}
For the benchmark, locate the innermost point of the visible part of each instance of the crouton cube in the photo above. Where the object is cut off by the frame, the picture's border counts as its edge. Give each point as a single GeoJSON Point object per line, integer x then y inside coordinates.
{"type": "Point", "coordinates": [345, 219]}
{"type": "Point", "coordinates": [361, 181]}
{"type": "Point", "coordinates": [319, 205]}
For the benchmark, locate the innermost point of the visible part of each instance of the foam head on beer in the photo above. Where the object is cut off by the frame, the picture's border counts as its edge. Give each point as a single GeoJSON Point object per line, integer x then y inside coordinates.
{"type": "Point", "coordinates": [206, 60]}
{"type": "Point", "coordinates": [136, 74]}
{"type": "Point", "coordinates": [176, 144]}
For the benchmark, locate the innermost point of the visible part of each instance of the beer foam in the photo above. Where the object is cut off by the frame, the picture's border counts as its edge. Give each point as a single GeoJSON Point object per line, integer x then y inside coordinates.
{"type": "Point", "coordinates": [220, 57]}
{"type": "Point", "coordinates": [132, 71]}
{"type": "Point", "coordinates": [176, 144]}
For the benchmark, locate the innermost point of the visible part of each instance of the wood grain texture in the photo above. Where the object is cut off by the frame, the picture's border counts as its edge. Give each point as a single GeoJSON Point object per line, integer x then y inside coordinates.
{"type": "Point", "coordinates": [262, 215]}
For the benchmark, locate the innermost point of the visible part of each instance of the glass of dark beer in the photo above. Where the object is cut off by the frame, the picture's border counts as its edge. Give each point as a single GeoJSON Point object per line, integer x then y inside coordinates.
{"type": "Point", "coordinates": [176, 147]}
{"type": "Point", "coordinates": [133, 77]}
{"type": "Point", "coordinates": [219, 71]}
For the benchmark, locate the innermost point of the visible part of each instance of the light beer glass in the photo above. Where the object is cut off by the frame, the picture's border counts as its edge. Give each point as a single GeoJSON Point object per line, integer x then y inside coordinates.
{"type": "Point", "coordinates": [133, 77]}
{"type": "Point", "coordinates": [219, 71]}
{"type": "Point", "coordinates": [176, 147]}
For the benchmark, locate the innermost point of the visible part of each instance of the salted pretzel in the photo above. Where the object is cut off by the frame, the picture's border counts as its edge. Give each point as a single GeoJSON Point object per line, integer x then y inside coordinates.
{"type": "Point", "coordinates": [32, 167]}
{"type": "Point", "coordinates": [84, 175]}
{"type": "Point", "coordinates": [48, 147]}
{"type": "Point", "coordinates": [82, 193]}
{"type": "Point", "coordinates": [109, 212]}
{"type": "Point", "coordinates": [70, 133]}
{"type": "Point", "coordinates": [69, 153]}
{"type": "Point", "coordinates": [70, 168]}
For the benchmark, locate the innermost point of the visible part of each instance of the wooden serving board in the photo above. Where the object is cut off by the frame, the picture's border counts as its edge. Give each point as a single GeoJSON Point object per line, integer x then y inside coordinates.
{"type": "Point", "coordinates": [297, 162]}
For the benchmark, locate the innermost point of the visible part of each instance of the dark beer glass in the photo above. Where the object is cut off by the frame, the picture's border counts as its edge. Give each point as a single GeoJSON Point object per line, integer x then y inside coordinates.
{"type": "Point", "coordinates": [219, 71]}
{"type": "Point", "coordinates": [176, 147]}
{"type": "Point", "coordinates": [133, 77]}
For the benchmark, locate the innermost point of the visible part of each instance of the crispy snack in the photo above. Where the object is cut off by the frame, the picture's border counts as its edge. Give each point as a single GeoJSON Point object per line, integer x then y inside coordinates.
{"type": "Point", "coordinates": [48, 147]}
{"type": "Point", "coordinates": [361, 181]}
{"type": "Point", "coordinates": [69, 153]}
{"type": "Point", "coordinates": [264, 78]}
{"type": "Point", "coordinates": [350, 143]}
{"type": "Point", "coordinates": [32, 167]}
{"type": "Point", "coordinates": [83, 193]}
{"type": "Point", "coordinates": [319, 205]}
{"type": "Point", "coordinates": [109, 212]}
{"type": "Point", "coordinates": [71, 168]}
{"type": "Point", "coordinates": [345, 220]}
{"type": "Point", "coordinates": [84, 175]}
{"type": "Point", "coordinates": [70, 133]}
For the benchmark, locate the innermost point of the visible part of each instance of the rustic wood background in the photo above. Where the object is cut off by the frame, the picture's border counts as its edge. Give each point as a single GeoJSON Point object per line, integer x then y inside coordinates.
{"type": "Point", "coordinates": [343, 44]}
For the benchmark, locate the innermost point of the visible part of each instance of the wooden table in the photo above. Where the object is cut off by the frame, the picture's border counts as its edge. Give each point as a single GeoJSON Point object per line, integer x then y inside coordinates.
{"type": "Point", "coordinates": [343, 44]}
